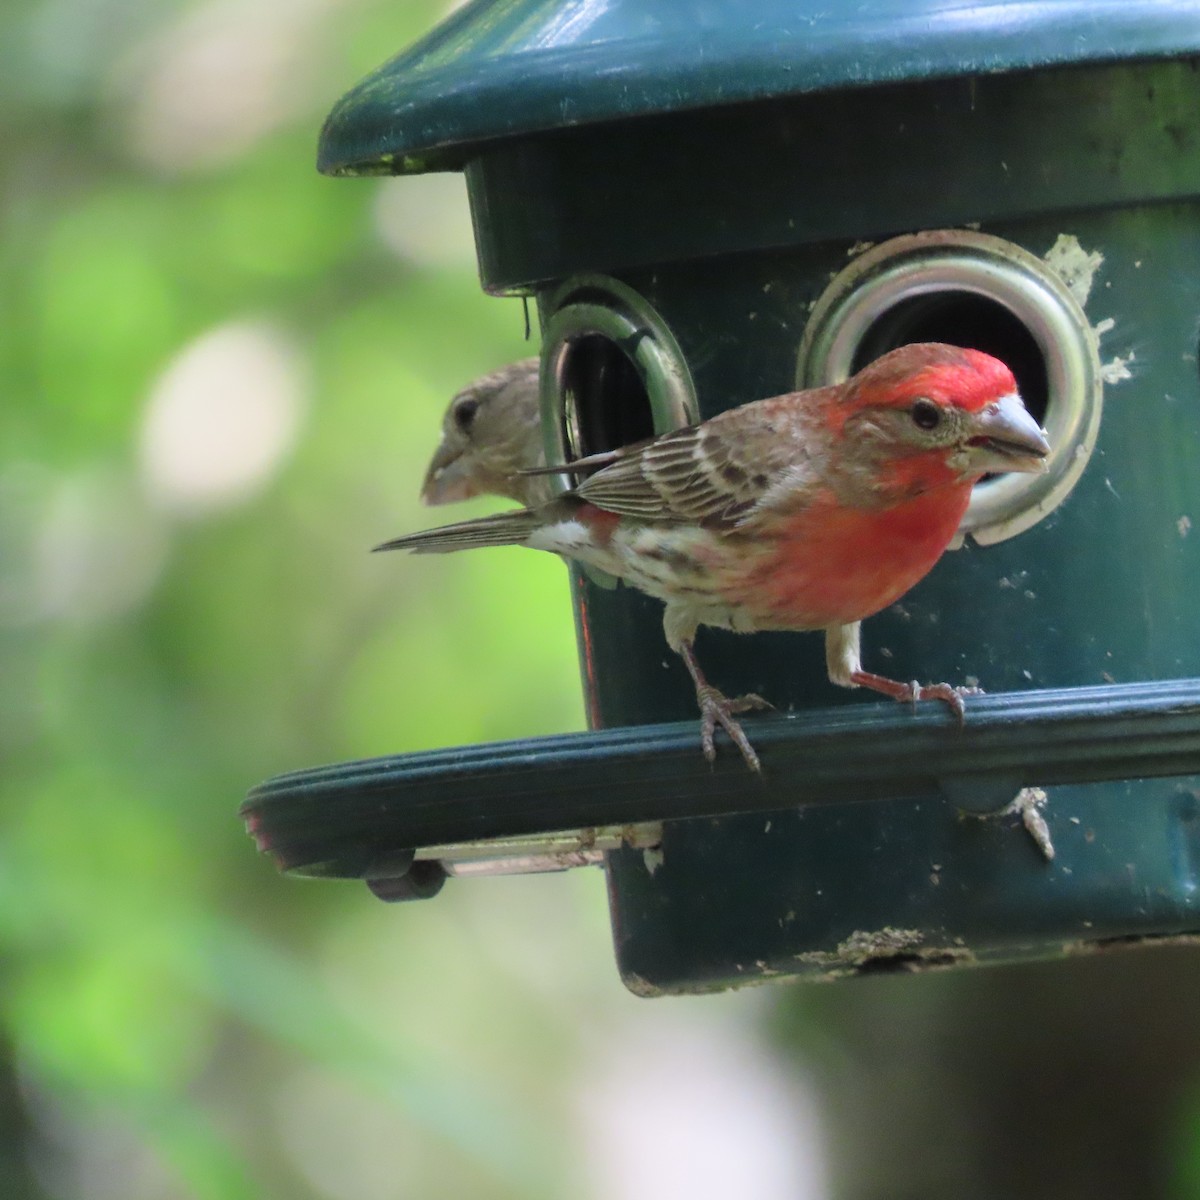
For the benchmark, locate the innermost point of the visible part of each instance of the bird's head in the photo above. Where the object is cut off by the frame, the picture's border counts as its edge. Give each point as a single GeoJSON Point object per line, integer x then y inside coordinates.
{"type": "Point", "coordinates": [929, 415]}
{"type": "Point", "coordinates": [490, 432]}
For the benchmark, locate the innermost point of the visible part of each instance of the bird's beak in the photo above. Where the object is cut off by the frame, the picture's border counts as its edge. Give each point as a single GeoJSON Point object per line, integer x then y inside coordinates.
{"type": "Point", "coordinates": [1004, 437]}
{"type": "Point", "coordinates": [448, 479]}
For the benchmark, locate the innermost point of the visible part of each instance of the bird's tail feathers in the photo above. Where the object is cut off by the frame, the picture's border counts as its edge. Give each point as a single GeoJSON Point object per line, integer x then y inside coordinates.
{"type": "Point", "coordinates": [501, 529]}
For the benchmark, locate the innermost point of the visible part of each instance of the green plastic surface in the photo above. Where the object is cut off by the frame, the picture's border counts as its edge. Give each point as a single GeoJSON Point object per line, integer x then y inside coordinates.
{"type": "Point", "coordinates": [841, 166]}
{"type": "Point", "coordinates": [723, 161]}
{"type": "Point", "coordinates": [356, 820]}
{"type": "Point", "coordinates": [857, 857]}
{"type": "Point", "coordinates": [500, 69]}
{"type": "Point", "coordinates": [1104, 588]}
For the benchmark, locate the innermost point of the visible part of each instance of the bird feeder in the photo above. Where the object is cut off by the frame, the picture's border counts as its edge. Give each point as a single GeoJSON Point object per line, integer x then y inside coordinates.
{"type": "Point", "coordinates": [714, 203]}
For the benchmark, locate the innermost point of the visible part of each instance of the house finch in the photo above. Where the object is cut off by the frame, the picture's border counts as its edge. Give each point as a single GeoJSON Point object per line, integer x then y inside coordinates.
{"type": "Point", "coordinates": [810, 510]}
{"type": "Point", "coordinates": [490, 434]}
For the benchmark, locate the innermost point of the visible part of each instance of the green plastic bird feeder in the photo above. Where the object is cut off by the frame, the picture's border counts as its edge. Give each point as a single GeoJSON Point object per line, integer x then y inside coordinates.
{"type": "Point", "coordinates": [711, 203]}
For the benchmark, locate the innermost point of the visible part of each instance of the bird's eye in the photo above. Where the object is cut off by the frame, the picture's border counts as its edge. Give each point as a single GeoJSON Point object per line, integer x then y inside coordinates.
{"type": "Point", "coordinates": [925, 414]}
{"type": "Point", "coordinates": [464, 414]}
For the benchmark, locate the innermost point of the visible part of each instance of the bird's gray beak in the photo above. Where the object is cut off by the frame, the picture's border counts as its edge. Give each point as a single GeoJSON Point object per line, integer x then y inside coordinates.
{"type": "Point", "coordinates": [447, 480]}
{"type": "Point", "coordinates": [1004, 437]}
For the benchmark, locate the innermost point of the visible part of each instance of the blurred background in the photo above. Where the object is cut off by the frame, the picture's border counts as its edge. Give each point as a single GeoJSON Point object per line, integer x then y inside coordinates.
{"type": "Point", "coordinates": [221, 377]}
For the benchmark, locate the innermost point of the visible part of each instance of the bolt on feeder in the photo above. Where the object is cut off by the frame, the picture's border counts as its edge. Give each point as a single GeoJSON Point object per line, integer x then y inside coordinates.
{"type": "Point", "coordinates": [713, 207]}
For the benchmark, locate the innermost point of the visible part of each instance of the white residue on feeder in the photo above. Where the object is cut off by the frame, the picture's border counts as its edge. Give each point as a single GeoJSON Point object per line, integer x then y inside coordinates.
{"type": "Point", "coordinates": [1117, 368]}
{"type": "Point", "coordinates": [1076, 266]}
{"type": "Point", "coordinates": [652, 859]}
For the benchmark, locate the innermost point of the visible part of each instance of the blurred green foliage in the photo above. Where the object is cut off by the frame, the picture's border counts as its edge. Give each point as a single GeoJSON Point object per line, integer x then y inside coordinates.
{"type": "Point", "coordinates": [178, 1020]}
{"type": "Point", "coordinates": [221, 377]}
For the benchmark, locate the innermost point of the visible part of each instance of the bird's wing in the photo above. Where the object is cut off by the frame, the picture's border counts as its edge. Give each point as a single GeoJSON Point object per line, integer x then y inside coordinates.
{"type": "Point", "coordinates": [715, 473]}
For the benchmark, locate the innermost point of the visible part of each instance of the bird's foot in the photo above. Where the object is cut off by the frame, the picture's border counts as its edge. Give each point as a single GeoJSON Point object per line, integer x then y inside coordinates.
{"type": "Point", "coordinates": [910, 693]}
{"type": "Point", "coordinates": [718, 709]}
{"type": "Point", "coordinates": [1028, 804]}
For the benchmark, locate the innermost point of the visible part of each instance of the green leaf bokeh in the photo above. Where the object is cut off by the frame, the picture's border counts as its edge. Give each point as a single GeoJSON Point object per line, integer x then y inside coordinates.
{"type": "Point", "coordinates": [221, 377]}
{"type": "Point", "coordinates": [178, 1019]}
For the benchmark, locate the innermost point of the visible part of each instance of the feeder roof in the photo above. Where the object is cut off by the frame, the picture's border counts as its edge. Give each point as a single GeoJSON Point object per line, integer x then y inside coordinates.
{"type": "Point", "coordinates": [512, 68]}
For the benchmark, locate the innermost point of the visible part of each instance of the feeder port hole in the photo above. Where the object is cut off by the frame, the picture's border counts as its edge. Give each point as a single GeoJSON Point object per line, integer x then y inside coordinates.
{"type": "Point", "coordinates": [612, 373]}
{"type": "Point", "coordinates": [963, 318]}
{"type": "Point", "coordinates": [985, 293]}
{"type": "Point", "coordinates": [604, 399]}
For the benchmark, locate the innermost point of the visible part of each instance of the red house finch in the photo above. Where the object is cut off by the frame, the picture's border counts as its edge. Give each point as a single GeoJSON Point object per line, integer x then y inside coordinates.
{"type": "Point", "coordinates": [490, 434]}
{"type": "Point", "coordinates": [810, 510]}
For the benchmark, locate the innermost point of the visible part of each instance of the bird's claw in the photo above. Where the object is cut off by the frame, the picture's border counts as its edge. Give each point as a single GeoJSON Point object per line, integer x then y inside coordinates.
{"type": "Point", "coordinates": [910, 693]}
{"type": "Point", "coordinates": [949, 695]}
{"type": "Point", "coordinates": [718, 709]}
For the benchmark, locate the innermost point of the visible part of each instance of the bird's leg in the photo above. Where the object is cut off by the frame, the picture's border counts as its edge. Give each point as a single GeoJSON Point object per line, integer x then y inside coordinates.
{"type": "Point", "coordinates": [718, 709]}
{"type": "Point", "coordinates": [844, 665]}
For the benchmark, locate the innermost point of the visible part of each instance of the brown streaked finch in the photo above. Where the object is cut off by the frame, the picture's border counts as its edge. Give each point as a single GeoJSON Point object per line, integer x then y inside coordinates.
{"type": "Point", "coordinates": [810, 510]}
{"type": "Point", "coordinates": [491, 433]}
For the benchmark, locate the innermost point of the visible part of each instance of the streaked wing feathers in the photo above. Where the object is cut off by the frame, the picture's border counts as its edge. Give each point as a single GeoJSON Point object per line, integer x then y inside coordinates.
{"type": "Point", "coordinates": [714, 474]}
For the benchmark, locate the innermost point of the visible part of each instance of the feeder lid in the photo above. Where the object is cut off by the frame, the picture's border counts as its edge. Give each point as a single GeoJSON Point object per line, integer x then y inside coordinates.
{"type": "Point", "coordinates": [511, 68]}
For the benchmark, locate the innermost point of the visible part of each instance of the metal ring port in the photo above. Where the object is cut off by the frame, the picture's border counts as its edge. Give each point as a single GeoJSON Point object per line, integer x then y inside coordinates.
{"type": "Point", "coordinates": [972, 289]}
{"type": "Point", "coordinates": [612, 373]}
